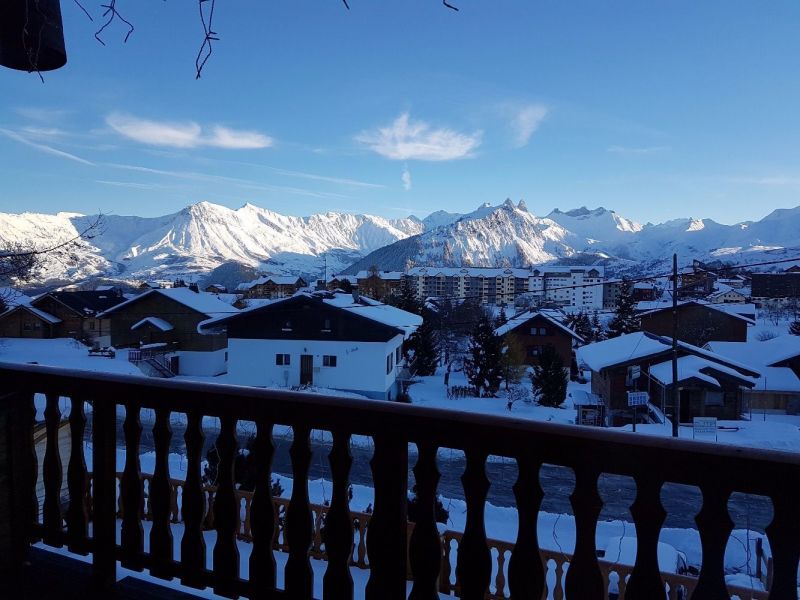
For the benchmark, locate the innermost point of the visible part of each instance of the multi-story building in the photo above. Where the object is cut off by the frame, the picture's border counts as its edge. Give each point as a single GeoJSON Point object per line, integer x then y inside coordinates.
{"type": "Point", "coordinates": [564, 286]}
{"type": "Point", "coordinates": [272, 286]}
{"type": "Point", "coordinates": [487, 286]}
{"type": "Point", "coordinates": [776, 287]}
{"type": "Point", "coordinates": [580, 287]}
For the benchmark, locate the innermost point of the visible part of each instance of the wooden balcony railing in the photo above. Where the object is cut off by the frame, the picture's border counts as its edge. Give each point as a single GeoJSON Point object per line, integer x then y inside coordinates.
{"type": "Point", "coordinates": [716, 470]}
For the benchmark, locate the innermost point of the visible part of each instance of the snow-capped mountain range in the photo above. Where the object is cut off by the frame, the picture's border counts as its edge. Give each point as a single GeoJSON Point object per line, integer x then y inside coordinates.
{"type": "Point", "coordinates": [203, 236]}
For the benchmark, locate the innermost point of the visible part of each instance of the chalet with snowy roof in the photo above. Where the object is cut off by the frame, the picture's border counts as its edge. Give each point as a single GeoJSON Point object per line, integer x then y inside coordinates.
{"type": "Point", "coordinates": [167, 320]}
{"type": "Point", "coordinates": [379, 284]}
{"type": "Point", "coordinates": [644, 291]}
{"type": "Point", "coordinates": [216, 288]}
{"type": "Point", "coordinates": [331, 340]}
{"type": "Point", "coordinates": [62, 314]}
{"type": "Point", "coordinates": [725, 294]}
{"type": "Point", "coordinates": [698, 323]}
{"type": "Point", "coordinates": [709, 384]}
{"type": "Point", "coordinates": [340, 282]}
{"type": "Point", "coordinates": [534, 330]}
{"type": "Point", "coordinates": [778, 361]}
{"type": "Point", "coordinates": [272, 286]}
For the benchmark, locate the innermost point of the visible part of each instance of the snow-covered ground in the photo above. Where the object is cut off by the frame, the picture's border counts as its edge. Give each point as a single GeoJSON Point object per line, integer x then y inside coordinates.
{"type": "Point", "coordinates": [66, 353]}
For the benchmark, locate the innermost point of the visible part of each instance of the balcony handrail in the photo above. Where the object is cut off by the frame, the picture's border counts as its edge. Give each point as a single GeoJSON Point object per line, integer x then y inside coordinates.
{"type": "Point", "coordinates": [718, 470]}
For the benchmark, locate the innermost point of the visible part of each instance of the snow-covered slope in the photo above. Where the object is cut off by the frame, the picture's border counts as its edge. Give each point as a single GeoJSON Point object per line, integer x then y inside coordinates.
{"type": "Point", "coordinates": [511, 235]}
{"type": "Point", "coordinates": [201, 237]}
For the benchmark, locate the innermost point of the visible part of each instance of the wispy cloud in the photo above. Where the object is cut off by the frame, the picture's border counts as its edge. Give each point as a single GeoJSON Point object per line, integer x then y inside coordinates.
{"type": "Point", "coordinates": [44, 147]}
{"type": "Point", "coordinates": [773, 181]}
{"type": "Point", "coordinates": [131, 184]}
{"type": "Point", "coordinates": [525, 121]}
{"type": "Point", "coordinates": [186, 134]}
{"type": "Point", "coordinates": [325, 178]}
{"type": "Point", "coordinates": [225, 180]}
{"type": "Point", "coordinates": [47, 115]}
{"type": "Point", "coordinates": [406, 178]}
{"type": "Point", "coordinates": [405, 139]}
{"type": "Point", "coordinates": [636, 150]}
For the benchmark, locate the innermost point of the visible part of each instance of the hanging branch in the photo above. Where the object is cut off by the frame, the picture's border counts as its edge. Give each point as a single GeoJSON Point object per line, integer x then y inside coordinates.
{"type": "Point", "coordinates": [210, 36]}
{"type": "Point", "coordinates": [448, 5]}
{"type": "Point", "coordinates": [83, 8]}
{"type": "Point", "coordinates": [112, 13]}
{"type": "Point", "coordinates": [346, 5]}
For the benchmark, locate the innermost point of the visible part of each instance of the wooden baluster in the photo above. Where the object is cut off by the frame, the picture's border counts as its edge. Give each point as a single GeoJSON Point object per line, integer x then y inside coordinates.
{"type": "Point", "coordinates": [444, 577]}
{"type": "Point", "coordinates": [77, 481]}
{"type": "Point", "coordinates": [193, 544]}
{"type": "Point", "coordinates": [20, 510]}
{"type": "Point", "coordinates": [784, 540]}
{"type": "Point", "coordinates": [52, 473]}
{"type": "Point", "coordinates": [132, 491]}
{"type": "Point", "coordinates": [583, 577]}
{"type": "Point", "coordinates": [526, 574]}
{"type": "Point", "coordinates": [558, 591]}
{"type": "Point", "coordinates": [31, 478]}
{"type": "Point", "coordinates": [161, 499]}
{"type": "Point", "coordinates": [425, 546]}
{"type": "Point", "coordinates": [299, 524]}
{"type": "Point", "coordinates": [262, 516]}
{"type": "Point", "coordinates": [226, 513]}
{"type": "Point", "coordinates": [648, 515]}
{"type": "Point", "coordinates": [387, 535]}
{"type": "Point", "coordinates": [715, 526]}
{"type": "Point", "coordinates": [623, 584]}
{"type": "Point", "coordinates": [500, 578]}
{"type": "Point", "coordinates": [474, 566]}
{"type": "Point", "coordinates": [104, 494]}
{"type": "Point", "coordinates": [337, 582]}
{"type": "Point", "coordinates": [362, 544]}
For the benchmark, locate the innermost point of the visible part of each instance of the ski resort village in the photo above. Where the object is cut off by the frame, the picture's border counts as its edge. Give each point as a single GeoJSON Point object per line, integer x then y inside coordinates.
{"type": "Point", "coordinates": [399, 300]}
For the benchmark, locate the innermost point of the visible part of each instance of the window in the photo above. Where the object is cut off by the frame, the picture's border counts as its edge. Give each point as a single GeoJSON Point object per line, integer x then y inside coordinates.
{"type": "Point", "coordinates": [287, 326]}
{"type": "Point", "coordinates": [91, 324]}
{"type": "Point", "coordinates": [397, 355]}
{"type": "Point", "coordinates": [328, 360]}
{"type": "Point", "coordinates": [538, 330]}
{"type": "Point", "coordinates": [283, 360]}
{"type": "Point", "coordinates": [714, 399]}
{"type": "Point", "coordinates": [37, 325]}
{"type": "Point", "coordinates": [389, 363]}
{"type": "Point", "coordinates": [534, 350]}
{"type": "Point", "coordinates": [326, 325]}
{"type": "Point", "coordinates": [27, 326]}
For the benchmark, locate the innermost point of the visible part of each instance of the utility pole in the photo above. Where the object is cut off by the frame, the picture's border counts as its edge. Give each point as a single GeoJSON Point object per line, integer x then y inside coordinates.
{"type": "Point", "coordinates": [676, 396]}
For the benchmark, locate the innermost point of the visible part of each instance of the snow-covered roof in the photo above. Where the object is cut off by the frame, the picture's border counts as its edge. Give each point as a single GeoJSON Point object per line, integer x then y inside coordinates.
{"type": "Point", "coordinates": [13, 297]}
{"type": "Point", "coordinates": [522, 318]}
{"type": "Point", "coordinates": [628, 347]}
{"type": "Point", "coordinates": [45, 316]}
{"type": "Point", "coordinates": [778, 379]}
{"type": "Point", "coordinates": [632, 347]}
{"type": "Point", "coordinates": [364, 307]}
{"type": "Point", "coordinates": [766, 353]}
{"type": "Point", "coordinates": [276, 279]}
{"type": "Point", "coordinates": [660, 306]}
{"type": "Point", "coordinates": [385, 275]}
{"type": "Point", "coordinates": [643, 285]}
{"type": "Point", "coordinates": [468, 272]}
{"type": "Point", "coordinates": [156, 322]}
{"type": "Point", "coordinates": [584, 398]}
{"type": "Point", "coordinates": [351, 278]}
{"type": "Point", "coordinates": [696, 367]}
{"type": "Point", "coordinates": [202, 302]}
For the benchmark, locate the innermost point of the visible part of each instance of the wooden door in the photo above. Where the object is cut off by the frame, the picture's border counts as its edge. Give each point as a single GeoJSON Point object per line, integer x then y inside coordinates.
{"type": "Point", "coordinates": [306, 369]}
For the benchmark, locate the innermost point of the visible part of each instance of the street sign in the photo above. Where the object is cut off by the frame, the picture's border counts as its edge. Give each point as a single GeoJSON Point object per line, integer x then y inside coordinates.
{"type": "Point", "coordinates": [634, 372]}
{"type": "Point", "coordinates": [705, 426]}
{"type": "Point", "coordinates": [638, 398]}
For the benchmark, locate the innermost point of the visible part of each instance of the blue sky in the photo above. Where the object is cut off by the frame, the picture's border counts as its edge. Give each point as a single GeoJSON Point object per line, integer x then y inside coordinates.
{"type": "Point", "coordinates": [656, 110]}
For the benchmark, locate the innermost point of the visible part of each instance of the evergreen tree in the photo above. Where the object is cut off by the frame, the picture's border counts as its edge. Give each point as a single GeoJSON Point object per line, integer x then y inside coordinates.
{"type": "Point", "coordinates": [502, 318]}
{"type": "Point", "coordinates": [625, 319]}
{"type": "Point", "coordinates": [423, 343]}
{"type": "Point", "coordinates": [407, 298]}
{"type": "Point", "coordinates": [794, 328]}
{"type": "Point", "coordinates": [582, 326]}
{"type": "Point", "coordinates": [513, 360]}
{"type": "Point", "coordinates": [483, 366]}
{"type": "Point", "coordinates": [549, 378]}
{"type": "Point", "coordinates": [598, 333]}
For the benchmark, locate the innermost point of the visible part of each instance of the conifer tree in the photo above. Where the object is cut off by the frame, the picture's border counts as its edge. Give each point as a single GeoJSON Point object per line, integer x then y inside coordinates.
{"type": "Point", "coordinates": [583, 326]}
{"type": "Point", "coordinates": [794, 328]}
{"type": "Point", "coordinates": [513, 360]}
{"type": "Point", "coordinates": [426, 351]}
{"type": "Point", "coordinates": [346, 286]}
{"type": "Point", "coordinates": [407, 299]}
{"type": "Point", "coordinates": [625, 319]}
{"type": "Point", "coordinates": [598, 333]}
{"type": "Point", "coordinates": [483, 366]}
{"type": "Point", "coordinates": [549, 378]}
{"type": "Point", "coordinates": [502, 318]}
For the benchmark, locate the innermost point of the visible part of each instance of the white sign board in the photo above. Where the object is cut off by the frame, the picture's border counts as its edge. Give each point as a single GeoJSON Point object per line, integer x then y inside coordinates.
{"type": "Point", "coordinates": [705, 426]}
{"type": "Point", "coordinates": [634, 372]}
{"type": "Point", "coordinates": [638, 398]}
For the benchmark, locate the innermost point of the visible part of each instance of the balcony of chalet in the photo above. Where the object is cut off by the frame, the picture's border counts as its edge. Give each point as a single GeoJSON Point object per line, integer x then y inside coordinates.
{"type": "Point", "coordinates": [102, 523]}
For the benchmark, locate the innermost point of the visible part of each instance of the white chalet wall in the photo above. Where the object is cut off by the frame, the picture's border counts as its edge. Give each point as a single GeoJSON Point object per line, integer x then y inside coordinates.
{"type": "Point", "coordinates": [202, 363]}
{"type": "Point", "coordinates": [360, 366]}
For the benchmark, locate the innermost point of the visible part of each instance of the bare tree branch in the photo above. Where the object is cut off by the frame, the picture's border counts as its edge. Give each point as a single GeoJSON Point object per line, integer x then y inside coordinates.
{"type": "Point", "coordinates": [448, 5]}
{"type": "Point", "coordinates": [112, 13]}
{"type": "Point", "coordinates": [210, 36]}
